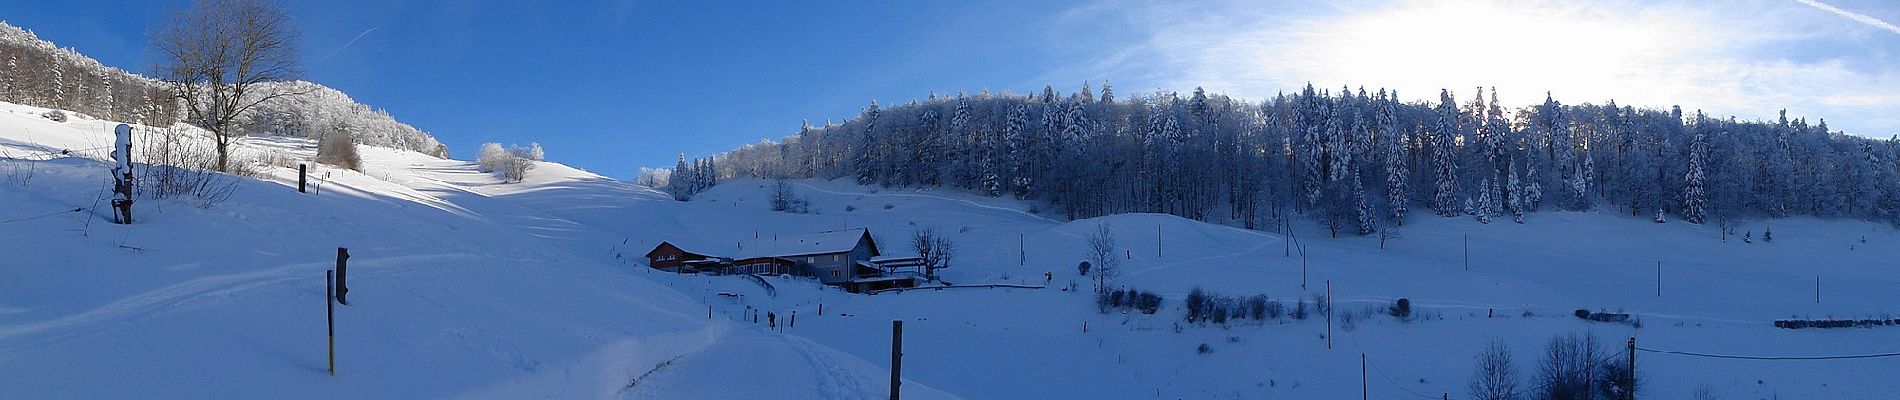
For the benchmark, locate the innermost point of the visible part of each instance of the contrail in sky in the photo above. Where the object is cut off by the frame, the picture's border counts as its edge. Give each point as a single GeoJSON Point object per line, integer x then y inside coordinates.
{"type": "Point", "coordinates": [1858, 17]}
{"type": "Point", "coordinates": [353, 41]}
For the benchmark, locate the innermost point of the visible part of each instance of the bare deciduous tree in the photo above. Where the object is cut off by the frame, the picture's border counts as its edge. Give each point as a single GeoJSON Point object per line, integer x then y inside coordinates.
{"type": "Point", "coordinates": [215, 55]}
{"type": "Point", "coordinates": [1570, 368]}
{"type": "Point", "coordinates": [1496, 377]}
{"type": "Point", "coordinates": [935, 248]}
{"type": "Point", "coordinates": [1102, 253]}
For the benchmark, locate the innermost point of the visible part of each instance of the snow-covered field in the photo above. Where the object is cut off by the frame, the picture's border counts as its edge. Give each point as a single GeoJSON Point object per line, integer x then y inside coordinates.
{"type": "Point", "coordinates": [463, 286]}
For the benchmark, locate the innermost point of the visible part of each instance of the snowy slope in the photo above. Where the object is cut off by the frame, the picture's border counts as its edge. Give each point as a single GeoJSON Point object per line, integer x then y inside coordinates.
{"type": "Point", "coordinates": [468, 287]}
{"type": "Point", "coordinates": [1718, 298]}
{"type": "Point", "coordinates": [456, 292]}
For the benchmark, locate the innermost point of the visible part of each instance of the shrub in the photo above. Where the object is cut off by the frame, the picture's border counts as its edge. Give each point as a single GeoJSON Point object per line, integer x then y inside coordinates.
{"type": "Point", "coordinates": [1257, 307]}
{"type": "Point", "coordinates": [1322, 304]}
{"type": "Point", "coordinates": [1275, 309]}
{"type": "Point", "coordinates": [1129, 299]}
{"type": "Point", "coordinates": [1401, 309]}
{"type": "Point", "coordinates": [1299, 310]}
{"type": "Point", "coordinates": [1204, 349]}
{"type": "Point", "coordinates": [339, 149]}
{"type": "Point", "coordinates": [512, 163]}
{"type": "Point", "coordinates": [1196, 304]}
{"type": "Point", "coordinates": [1148, 303]}
{"type": "Point", "coordinates": [55, 115]}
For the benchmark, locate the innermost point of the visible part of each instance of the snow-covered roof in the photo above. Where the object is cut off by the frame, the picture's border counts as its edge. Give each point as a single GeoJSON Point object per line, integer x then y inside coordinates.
{"type": "Point", "coordinates": [801, 245]}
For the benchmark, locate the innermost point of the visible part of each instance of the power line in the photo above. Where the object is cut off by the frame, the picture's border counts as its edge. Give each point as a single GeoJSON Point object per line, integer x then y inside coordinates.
{"type": "Point", "coordinates": [1772, 358]}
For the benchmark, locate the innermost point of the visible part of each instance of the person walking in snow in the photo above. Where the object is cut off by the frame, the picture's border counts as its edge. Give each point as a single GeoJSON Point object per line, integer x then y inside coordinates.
{"type": "Point", "coordinates": [771, 320]}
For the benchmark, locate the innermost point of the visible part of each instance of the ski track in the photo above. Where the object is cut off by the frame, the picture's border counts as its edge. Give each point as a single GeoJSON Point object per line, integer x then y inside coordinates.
{"type": "Point", "coordinates": [834, 382]}
{"type": "Point", "coordinates": [152, 303]}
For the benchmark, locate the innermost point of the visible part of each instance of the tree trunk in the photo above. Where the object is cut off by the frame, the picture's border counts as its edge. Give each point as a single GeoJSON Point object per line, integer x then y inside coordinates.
{"type": "Point", "coordinates": [223, 149]}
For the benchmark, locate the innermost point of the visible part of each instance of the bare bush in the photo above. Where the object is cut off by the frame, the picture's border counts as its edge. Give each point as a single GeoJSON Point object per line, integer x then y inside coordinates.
{"type": "Point", "coordinates": [1569, 370]}
{"type": "Point", "coordinates": [179, 166]}
{"type": "Point", "coordinates": [339, 149]}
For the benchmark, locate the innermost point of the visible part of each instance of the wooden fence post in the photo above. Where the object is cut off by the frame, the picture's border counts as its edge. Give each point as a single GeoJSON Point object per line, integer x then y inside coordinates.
{"type": "Point", "coordinates": [302, 173]}
{"type": "Point", "coordinates": [1364, 392]}
{"type": "Point", "coordinates": [897, 356]}
{"type": "Point", "coordinates": [329, 315]}
{"type": "Point", "coordinates": [1632, 378]}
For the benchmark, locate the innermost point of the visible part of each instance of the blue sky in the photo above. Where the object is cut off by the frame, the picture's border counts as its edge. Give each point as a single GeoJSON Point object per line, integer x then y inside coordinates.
{"type": "Point", "coordinates": [611, 86]}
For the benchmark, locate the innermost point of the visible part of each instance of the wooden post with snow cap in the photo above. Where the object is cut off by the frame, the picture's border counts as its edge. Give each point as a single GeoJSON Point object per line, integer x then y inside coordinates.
{"type": "Point", "coordinates": [897, 356]}
{"type": "Point", "coordinates": [122, 174]}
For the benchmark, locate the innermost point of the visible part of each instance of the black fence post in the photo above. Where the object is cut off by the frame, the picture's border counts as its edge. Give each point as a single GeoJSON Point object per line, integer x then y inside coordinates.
{"type": "Point", "coordinates": [302, 172]}
{"type": "Point", "coordinates": [342, 271]}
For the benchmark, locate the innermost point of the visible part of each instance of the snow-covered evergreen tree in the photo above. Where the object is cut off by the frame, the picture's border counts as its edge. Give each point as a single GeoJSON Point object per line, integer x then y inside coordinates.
{"type": "Point", "coordinates": [1368, 222]}
{"type": "Point", "coordinates": [865, 158]}
{"type": "Point", "coordinates": [1485, 203]}
{"type": "Point", "coordinates": [1392, 139]}
{"type": "Point", "coordinates": [1695, 192]}
{"type": "Point", "coordinates": [1515, 188]}
{"type": "Point", "coordinates": [1444, 157]}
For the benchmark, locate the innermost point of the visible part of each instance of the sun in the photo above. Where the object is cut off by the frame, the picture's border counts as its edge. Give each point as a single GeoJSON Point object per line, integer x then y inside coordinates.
{"type": "Point", "coordinates": [1523, 49]}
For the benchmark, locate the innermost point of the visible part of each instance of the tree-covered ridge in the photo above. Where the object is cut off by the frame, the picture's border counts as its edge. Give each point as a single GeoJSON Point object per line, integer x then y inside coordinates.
{"type": "Point", "coordinates": [35, 72]}
{"type": "Point", "coordinates": [1353, 160]}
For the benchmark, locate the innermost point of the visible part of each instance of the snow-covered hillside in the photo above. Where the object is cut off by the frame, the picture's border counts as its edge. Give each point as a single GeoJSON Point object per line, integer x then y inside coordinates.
{"type": "Point", "coordinates": [464, 286]}
{"type": "Point", "coordinates": [457, 291]}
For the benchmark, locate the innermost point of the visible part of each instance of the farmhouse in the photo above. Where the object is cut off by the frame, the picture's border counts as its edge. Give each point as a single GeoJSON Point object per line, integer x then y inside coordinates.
{"type": "Point", "coordinates": [847, 258]}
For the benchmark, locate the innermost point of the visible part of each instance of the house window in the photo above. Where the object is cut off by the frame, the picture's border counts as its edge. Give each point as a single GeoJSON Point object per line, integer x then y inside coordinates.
{"type": "Point", "coordinates": [837, 257]}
